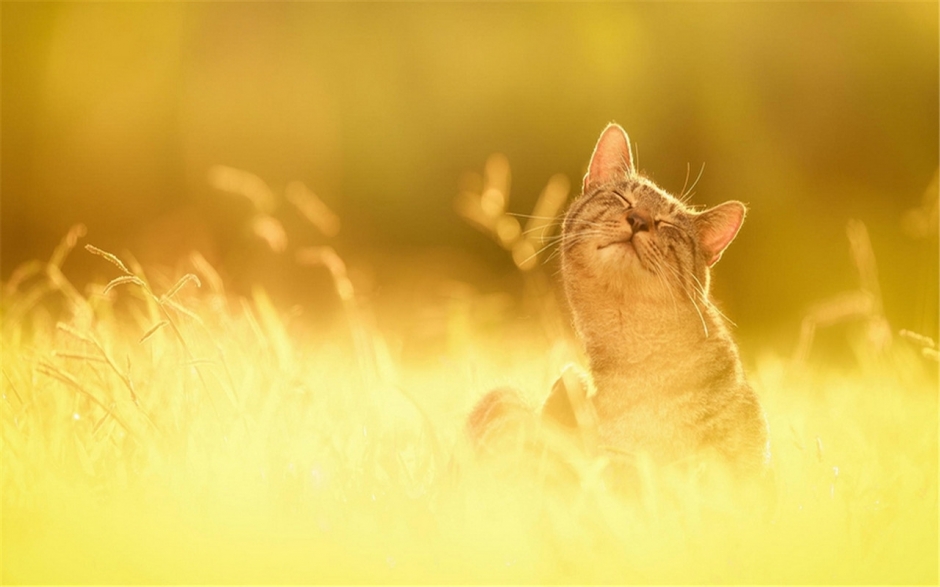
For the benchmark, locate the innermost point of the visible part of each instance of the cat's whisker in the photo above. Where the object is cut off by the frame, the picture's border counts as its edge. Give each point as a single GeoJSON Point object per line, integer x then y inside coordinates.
{"type": "Point", "coordinates": [699, 289]}
{"type": "Point", "coordinates": [570, 241]}
{"type": "Point", "coordinates": [532, 216]}
{"type": "Point", "coordinates": [688, 171]}
{"type": "Point", "coordinates": [536, 254]}
{"type": "Point", "coordinates": [704, 295]}
{"type": "Point", "coordinates": [676, 276]}
{"type": "Point", "coordinates": [659, 263]}
{"type": "Point", "coordinates": [551, 256]}
{"type": "Point", "coordinates": [559, 238]}
{"type": "Point", "coordinates": [695, 183]}
{"type": "Point", "coordinates": [684, 196]}
{"type": "Point", "coordinates": [551, 239]}
{"type": "Point", "coordinates": [699, 312]}
{"type": "Point", "coordinates": [696, 286]}
{"type": "Point", "coordinates": [700, 293]}
{"type": "Point", "coordinates": [692, 298]}
{"type": "Point", "coordinates": [697, 296]}
{"type": "Point", "coordinates": [543, 228]}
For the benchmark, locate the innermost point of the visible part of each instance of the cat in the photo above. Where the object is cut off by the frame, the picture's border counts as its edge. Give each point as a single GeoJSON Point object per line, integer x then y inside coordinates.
{"type": "Point", "coordinates": [668, 381]}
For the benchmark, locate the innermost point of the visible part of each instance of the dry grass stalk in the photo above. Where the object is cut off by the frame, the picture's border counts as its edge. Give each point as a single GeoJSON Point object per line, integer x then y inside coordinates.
{"type": "Point", "coordinates": [253, 324]}
{"type": "Point", "coordinates": [109, 257]}
{"type": "Point", "coordinates": [921, 222]}
{"type": "Point", "coordinates": [22, 274]}
{"type": "Point", "coordinates": [54, 372]}
{"type": "Point", "coordinates": [243, 183]}
{"type": "Point", "coordinates": [863, 304]}
{"type": "Point", "coordinates": [78, 356]}
{"type": "Point", "coordinates": [153, 330]}
{"type": "Point", "coordinates": [312, 208]}
{"type": "Point", "coordinates": [121, 281]}
{"type": "Point", "coordinates": [189, 277]}
{"type": "Point", "coordinates": [163, 303]}
{"type": "Point", "coordinates": [23, 305]}
{"type": "Point", "coordinates": [19, 398]}
{"type": "Point", "coordinates": [209, 274]}
{"type": "Point", "coordinates": [487, 210]}
{"type": "Point", "coordinates": [307, 461]}
{"type": "Point", "coordinates": [270, 230]}
{"type": "Point", "coordinates": [485, 207]}
{"type": "Point", "coordinates": [363, 337]}
{"type": "Point", "coordinates": [79, 304]}
{"type": "Point", "coordinates": [928, 346]}
{"type": "Point", "coordinates": [67, 244]}
{"type": "Point", "coordinates": [69, 330]}
{"type": "Point", "coordinates": [327, 257]}
{"type": "Point", "coordinates": [103, 357]}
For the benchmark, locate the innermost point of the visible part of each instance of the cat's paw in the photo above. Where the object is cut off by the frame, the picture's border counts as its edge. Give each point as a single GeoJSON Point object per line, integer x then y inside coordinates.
{"type": "Point", "coordinates": [569, 407]}
{"type": "Point", "coordinates": [499, 418]}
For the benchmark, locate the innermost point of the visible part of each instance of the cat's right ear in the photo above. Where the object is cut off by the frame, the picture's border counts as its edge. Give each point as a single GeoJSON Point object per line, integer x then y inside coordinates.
{"type": "Point", "coordinates": [717, 227]}
{"type": "Point", "coordinates": [612, 159]}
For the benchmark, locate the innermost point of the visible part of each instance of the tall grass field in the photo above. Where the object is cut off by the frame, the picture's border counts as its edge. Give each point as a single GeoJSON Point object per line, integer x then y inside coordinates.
{"type": "Point", "coordinates": [168, 431]}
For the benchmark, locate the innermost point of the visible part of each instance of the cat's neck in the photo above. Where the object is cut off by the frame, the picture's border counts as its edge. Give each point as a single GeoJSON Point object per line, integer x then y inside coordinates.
{"type": "Point", "coordinates": [630, 333]}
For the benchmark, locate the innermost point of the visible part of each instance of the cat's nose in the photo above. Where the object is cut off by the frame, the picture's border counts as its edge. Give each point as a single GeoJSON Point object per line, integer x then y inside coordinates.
{"type": "Point", "coordinates": [638, 220]}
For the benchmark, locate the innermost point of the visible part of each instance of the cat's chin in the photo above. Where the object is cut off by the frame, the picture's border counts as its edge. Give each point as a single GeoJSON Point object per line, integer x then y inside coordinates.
{"type": "Point", "coordinates": [622, 260]}
{"type": "Point", "coordinates": [622, 248]}
{"type": "Point", "coordinates": [622, 253]}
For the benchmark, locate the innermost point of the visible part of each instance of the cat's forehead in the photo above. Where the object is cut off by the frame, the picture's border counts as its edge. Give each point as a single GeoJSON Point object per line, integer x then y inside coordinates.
{"type": "Point", "coordinates": [643, 192]}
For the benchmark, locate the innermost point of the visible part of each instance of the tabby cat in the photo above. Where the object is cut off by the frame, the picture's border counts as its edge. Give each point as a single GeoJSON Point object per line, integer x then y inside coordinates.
{"type": "Point", "coordinates": [635, 262]}
{"type": "Point", "coordinates": [668, 381]}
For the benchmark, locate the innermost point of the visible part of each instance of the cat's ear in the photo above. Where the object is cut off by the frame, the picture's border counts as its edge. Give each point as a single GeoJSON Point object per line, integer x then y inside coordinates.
{"type": "Point", "coordinates": [717, 227]}
{"type": "Point", "coordinates": [612, 159]}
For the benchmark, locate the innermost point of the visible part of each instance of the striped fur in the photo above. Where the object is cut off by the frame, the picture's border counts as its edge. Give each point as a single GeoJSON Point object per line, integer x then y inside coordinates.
{"type": "Point", "coordinates": [636, 268]}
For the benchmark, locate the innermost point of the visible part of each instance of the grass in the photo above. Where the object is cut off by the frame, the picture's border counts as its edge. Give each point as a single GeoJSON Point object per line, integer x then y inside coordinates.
{"type": "Point", "coordinates": [176, 434]}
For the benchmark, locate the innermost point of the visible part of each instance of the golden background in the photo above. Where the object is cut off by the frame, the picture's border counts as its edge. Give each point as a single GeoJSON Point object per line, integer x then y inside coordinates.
{"type": "Point", "coordinates": [299, 417]}
{"type": "Point", "coordinates": [813, 114]}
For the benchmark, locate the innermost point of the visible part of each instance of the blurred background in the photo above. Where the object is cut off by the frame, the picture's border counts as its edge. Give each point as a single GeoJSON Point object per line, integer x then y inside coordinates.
{"type": "Point", "coordinates": [113, 116]}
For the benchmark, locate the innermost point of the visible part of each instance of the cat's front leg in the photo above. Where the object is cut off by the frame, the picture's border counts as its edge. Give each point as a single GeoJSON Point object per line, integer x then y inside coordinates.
{"type": "Point", "coordinates": [569, 407]}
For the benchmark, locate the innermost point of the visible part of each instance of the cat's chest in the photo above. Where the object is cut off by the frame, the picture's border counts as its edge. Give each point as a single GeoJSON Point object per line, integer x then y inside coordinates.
{"type": "Point", "coordinates": [669, 380]}
{"type": "Point", "coordinates": [649, 383]}
{"type": "Point", "coordinates": [653, 409]}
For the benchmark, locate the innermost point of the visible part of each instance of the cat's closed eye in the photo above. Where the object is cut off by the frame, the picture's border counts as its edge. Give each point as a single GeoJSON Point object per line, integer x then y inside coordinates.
{"type": "Point", "coordinates": [627, 204]}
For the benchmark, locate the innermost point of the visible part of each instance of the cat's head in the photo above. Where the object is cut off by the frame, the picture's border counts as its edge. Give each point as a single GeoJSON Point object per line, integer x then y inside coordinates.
{"type": "Point", "coordinates": [626, 234]}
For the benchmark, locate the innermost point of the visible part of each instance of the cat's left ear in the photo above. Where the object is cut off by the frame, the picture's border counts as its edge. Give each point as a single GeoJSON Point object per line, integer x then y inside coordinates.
{"type": "Point", "coordinates": [717, 227]}
{"type": "Point", "coordinates": [612, 160]}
